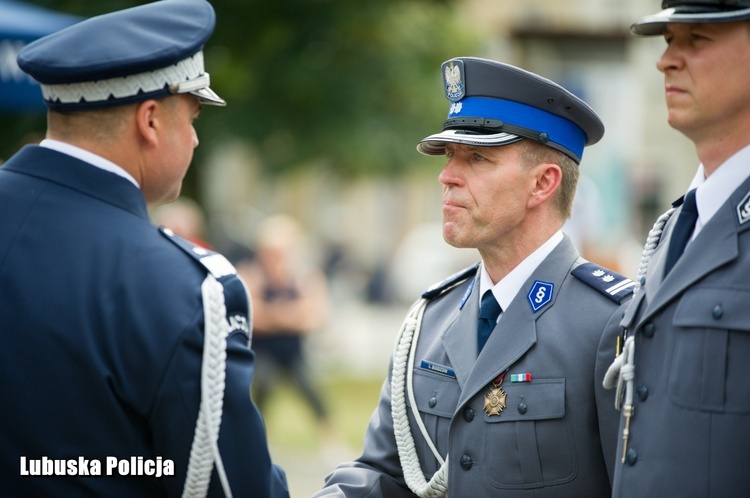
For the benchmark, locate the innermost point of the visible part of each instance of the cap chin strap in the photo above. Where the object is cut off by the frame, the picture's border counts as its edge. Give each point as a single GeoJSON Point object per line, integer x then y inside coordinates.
{"type": "Point", "coordinates": [191, 85]}
{"type": "Point", "coordinates": [205, 449]}
{"type": "Point", "coordinates": [401, 381]}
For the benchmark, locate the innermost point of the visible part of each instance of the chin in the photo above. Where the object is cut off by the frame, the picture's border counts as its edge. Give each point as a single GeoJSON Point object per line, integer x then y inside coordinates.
{"type": "Point", "coordinates": [455, 241]}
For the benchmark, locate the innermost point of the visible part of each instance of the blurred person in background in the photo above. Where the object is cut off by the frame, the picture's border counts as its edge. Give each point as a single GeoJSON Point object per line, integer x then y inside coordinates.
{"type": "Point", "coordinates": [495, 383]}
{"type": "Point", "coordinates": [125, 363]}
{"type": "Point", "coordinates": [185, 218]}
{"type": "Point", "coordinates": [685, 426]}
{"type": "Point", "coordinates": [290, 301]}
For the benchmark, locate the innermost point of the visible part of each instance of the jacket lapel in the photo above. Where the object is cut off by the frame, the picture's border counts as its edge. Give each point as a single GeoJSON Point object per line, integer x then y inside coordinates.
{"type": "Point", "coordinates": [459, 343]}
{"type": "Point", "coordinates": [655, 272]}
{"type": "Point", "coordinates": [515, 333]}
{"type": "Point", "coordinates": [716, 245]}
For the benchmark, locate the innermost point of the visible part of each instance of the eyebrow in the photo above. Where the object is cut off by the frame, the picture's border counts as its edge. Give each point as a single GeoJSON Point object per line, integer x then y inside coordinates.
{"type": "Point", "coordinates": [690, 27]}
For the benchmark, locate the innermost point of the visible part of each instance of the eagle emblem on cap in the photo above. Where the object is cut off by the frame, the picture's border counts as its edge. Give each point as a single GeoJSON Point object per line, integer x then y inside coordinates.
{"type": "Point", "coordinates": [453, 78]}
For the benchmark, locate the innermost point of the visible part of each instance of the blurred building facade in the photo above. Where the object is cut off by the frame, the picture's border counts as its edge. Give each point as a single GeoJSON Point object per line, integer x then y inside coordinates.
{"type": "Point", "coordinates": [642, 164]}
{"type": "Point", "coordinates": [380, 237]}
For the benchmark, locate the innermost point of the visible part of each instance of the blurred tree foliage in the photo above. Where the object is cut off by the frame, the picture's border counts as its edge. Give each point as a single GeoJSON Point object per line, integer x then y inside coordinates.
{"type": "Point", "coordinates": [350, 84]}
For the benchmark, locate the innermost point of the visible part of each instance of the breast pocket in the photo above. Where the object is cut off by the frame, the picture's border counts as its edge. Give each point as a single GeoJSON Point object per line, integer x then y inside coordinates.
{"type": "Point", "coordinates": [712, 344]}
{"type": "Point", "coordinates": [530, 444]}
{"type": "Point", "coordinates": [436, 397]}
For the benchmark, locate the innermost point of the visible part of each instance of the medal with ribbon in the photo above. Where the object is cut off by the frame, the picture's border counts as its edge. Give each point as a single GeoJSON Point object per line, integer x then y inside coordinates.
{"type": "Point", "coordinates": [494, 400]}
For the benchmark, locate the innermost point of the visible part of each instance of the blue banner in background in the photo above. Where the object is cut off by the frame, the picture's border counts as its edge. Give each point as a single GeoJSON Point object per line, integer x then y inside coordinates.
{"type": "Point", "coordinates": [22, 23]}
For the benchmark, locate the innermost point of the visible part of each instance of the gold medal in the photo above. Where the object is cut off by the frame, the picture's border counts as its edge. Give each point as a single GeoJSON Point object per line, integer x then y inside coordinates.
{"type": "Point", "coordinates": [494, 401]}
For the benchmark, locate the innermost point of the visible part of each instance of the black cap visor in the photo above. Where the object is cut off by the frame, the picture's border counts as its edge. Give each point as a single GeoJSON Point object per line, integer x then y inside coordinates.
{"type": "Point", "coordinates": [654, 24]}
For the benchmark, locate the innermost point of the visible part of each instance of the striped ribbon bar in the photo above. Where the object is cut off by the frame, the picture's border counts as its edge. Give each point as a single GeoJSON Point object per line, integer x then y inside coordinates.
{"type": "Point", "coordinates": [525, 377]}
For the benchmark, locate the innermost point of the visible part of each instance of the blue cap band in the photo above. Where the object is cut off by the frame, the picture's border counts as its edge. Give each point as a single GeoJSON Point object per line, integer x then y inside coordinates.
{"type": "Point", "coordinates": [560, 131]}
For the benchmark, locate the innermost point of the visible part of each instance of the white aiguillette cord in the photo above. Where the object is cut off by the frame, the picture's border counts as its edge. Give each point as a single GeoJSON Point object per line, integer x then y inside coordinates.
{"type": "Point", "coordinates": [621, 373]}
{"type": "Point", "coordinates": [205, 449]}
{"type": "Point", "coordinates": [401, 381]}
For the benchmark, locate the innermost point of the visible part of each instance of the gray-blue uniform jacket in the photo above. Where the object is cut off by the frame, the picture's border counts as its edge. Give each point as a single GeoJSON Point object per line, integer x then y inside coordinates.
{"type": "Point", "coordinates": [557, 434]}
{"type": "Point", "coordinates": [690, 430]}
{"type": "Point", "coordinates": [101, 326]}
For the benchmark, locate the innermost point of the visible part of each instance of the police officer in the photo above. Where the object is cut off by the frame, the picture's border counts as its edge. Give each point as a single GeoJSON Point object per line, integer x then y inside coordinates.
{"type": "Point", "coordinates": [125, 359]}
{"type": "Point", "coordinates": [495, 386]}
{"type": "Point", "coordinates": [685, 399]}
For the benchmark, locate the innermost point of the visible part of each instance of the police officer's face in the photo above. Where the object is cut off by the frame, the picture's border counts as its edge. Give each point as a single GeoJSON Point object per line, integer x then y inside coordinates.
{"type": "Point", "coordinates": [485, 195]}
{"type": "Point", "coordinates": [705, 71]}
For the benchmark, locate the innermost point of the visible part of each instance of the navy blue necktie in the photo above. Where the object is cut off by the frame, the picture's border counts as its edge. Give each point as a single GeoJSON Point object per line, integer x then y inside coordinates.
{"type": "Point", "coordinates": [488, 313]}
{"type": "Point", "coordinates": [683, 229]}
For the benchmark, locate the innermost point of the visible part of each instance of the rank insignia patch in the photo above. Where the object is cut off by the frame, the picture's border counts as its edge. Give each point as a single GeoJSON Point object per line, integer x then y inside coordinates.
{"type": "Point", "coordinates": [610, 283]}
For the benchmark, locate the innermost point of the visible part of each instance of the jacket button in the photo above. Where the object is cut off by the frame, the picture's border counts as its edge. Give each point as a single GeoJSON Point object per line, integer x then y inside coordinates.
{"type": "Point", "coordinates": [466, 462]}
{"type": "Point", "coordinates": [432, 402]}
{"type": "Point", "coordinates": [649, 329]}
{"type": "Point", "coordinates": [631, 457]}
{"type": "Point", "coordinates": [468, 414]}
{"type": "Point", "coordinates": [642, 391]}
{"type": "Point", "coordinates": [717, 312]}
{"type": "Point", "coordinates": [522, 408]}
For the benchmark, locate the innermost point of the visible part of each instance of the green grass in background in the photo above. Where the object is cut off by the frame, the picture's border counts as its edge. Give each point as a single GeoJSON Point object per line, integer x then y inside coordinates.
{"type": "Point", "coordinates": [291, 424]}
{"type": "Point", "coordinates": [307, 452]}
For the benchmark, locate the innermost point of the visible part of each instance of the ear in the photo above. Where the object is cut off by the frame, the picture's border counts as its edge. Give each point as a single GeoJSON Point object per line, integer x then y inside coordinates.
{"type": "Point", "coordinates": [548, 177]}
{"type": "Point", "coordinates": [147, 117]}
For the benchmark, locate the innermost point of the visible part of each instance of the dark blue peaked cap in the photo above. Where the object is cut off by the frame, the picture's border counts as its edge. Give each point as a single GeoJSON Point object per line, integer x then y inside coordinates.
{"type": "Point", "coordinates": [692, 11]}
{"type": "Point", "coordinates": [495, 104]}
{"type": "Point", "coordinates": [150, 51]}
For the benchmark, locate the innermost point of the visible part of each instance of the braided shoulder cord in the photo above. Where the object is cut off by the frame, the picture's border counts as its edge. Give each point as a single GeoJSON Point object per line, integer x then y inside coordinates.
{"type": "Point", "coordinates": [401, 380]}
{"type": "Point", "coordinates": [205, 449]}
{"type": "Point", "coordinates": [621, 372]}
{"type": "Point", "coordinates": [652, 240]}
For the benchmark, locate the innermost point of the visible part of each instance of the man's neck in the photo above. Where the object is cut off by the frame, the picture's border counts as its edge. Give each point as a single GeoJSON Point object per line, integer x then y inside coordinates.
{"type": "Point", "coordinates": [713, 150]}
{"type": "Point", "coordinates": [500, 261]}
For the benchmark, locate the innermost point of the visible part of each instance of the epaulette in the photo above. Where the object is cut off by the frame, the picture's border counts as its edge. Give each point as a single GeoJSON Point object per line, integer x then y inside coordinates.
{"type": "Point", "coordinates": [610, 283]}
{"type": "Point", "coordinates": [216, 264]}
{"type": "Point", "coordinates": [449, 282]}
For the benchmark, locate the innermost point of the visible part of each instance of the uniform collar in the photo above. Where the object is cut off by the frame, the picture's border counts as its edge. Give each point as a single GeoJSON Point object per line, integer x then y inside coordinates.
{"type": "Point", "coordinates": [89, 157]}
{"type": "Point", "coordinates": [72, 172]}
{"type": "Point", "coordinates": [507, 288]}
{"type": "Point", "coordinates": [714, 191]}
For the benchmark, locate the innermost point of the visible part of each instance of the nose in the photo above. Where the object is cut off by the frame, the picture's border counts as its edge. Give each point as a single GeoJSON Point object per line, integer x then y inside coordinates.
{"type": "Point", "coordinates": [670, 59]}
{"type": "Point", "coordinates": [449, 175]}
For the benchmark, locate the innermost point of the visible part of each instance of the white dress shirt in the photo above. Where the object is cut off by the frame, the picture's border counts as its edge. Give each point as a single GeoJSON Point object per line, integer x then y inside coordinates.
{"type": "Point", "coordinates": [507, 288]}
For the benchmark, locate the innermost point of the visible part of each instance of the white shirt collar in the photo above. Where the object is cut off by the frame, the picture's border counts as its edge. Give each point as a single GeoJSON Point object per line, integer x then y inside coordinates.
{"type": "Point", "coordinates": [714, 191]}
{"type": "Point", "coordinates": [89, 157]}
{"type": "Point", "coordinates": [507, 288]}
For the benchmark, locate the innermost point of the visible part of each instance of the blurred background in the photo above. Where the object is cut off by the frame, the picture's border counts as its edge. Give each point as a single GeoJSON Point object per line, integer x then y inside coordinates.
{"type": "Point", "coordinates": [326, 102]}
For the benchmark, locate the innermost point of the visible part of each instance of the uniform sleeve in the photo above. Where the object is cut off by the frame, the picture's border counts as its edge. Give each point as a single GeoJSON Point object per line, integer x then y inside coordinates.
{"type": "Point", "coordinates": [242, 437]}
{"type": "Point", "coordinates": [609, 417]}
{"type": "Point", "coordinates": [377, 473]}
